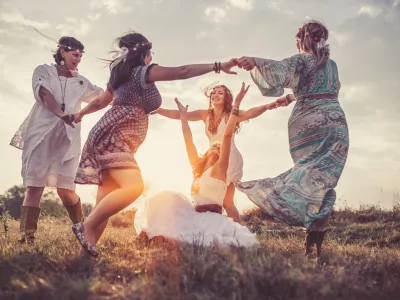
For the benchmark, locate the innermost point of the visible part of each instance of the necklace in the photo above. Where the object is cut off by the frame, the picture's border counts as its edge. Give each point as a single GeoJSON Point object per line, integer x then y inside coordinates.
{"type": "Point", "coordinates": [213, 126]}
{"type": "Point", "coordinates": [62, 90]}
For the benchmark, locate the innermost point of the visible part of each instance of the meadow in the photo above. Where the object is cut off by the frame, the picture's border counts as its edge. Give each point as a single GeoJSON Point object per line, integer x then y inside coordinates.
{"type": "Point", "coordinates": [360, 260]}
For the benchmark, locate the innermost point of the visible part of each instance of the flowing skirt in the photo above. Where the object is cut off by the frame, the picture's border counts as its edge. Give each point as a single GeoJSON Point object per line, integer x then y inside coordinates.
{"type": "Point", "coordinates": [172, 216]}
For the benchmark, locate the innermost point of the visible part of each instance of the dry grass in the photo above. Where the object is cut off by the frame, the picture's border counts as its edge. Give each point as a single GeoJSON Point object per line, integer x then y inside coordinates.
{"type": "Point", "coordinates": [361, 260]}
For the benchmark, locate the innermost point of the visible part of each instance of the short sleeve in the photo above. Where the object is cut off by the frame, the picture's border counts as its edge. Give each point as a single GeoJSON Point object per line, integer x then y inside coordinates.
{"type": "Point", "coordinates": [140, 75]}
{"type": "Point", "coordinates": [40, 78]}
{"type": "Point", "coordinates": [273, 76]}
{"type": "Point", "coordinates": [92, 92]}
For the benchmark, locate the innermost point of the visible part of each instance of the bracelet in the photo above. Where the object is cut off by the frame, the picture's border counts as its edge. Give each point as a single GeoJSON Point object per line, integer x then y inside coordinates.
{"type": "Point", "coordinates": [217, 67]}
{"type": "Point", "coordinates": [235, 111]}
{"type": "Point", "coordinates": [288, 98]}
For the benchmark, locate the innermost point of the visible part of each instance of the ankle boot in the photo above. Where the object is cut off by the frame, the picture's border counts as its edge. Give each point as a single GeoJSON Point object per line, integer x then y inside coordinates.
{"type": "Point", "coordinates": [75, 212]}
{"type": "Point", "coordinates": [28, 223]}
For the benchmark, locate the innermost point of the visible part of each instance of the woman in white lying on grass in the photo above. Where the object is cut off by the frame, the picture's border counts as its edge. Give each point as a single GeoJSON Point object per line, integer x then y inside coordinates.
{"type": "Point", "coordinates": [215, 118]}
{"type": "Point", "coordinates": [172, 216]}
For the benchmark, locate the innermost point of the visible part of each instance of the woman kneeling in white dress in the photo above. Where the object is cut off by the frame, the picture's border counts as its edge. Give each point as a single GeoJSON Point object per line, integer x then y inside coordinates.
{"type": "Point", "coordinates": [172, 216]}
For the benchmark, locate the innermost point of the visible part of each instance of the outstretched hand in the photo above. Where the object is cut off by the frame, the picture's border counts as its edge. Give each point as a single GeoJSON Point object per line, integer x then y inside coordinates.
{"type": "Point", "coordinates": [245, 62]}
{"type": "Point", "coordinates": [227, 66]}
{"type": "Point", "coordinates": [182, 109]}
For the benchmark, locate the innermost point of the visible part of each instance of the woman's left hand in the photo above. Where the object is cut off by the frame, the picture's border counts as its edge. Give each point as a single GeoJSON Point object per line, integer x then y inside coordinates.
{"type": "Point", "coordinates": [77, 117]}
{"type": "Point", "coordinates": [241, 94]}
{"type": "Point", "coordinates": [247, 63]}
{"type": "Point", "coordinates": [284, 101]}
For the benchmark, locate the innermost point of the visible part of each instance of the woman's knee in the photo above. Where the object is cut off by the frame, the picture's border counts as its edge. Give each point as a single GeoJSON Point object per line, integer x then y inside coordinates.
{"type": "Point", "coordinates": [68, 197]}
{"type": "Point", "coordinates": [137, 187]}
{"type": "Point", "coordinates": [128, 179]}
{"type": "Point", "coordinates": [33, 196]}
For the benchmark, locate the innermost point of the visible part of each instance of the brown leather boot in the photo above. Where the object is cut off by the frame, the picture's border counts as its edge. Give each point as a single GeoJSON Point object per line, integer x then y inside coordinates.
{"type": "Point", "coordinates": [28, 224]}
{"type": "Point", "coordinates": [75, 212]}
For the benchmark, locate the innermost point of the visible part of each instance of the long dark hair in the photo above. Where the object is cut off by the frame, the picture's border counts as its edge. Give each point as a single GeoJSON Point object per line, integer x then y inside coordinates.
{"type": "Point", "coordinates": [139, 48]}
{"type": "Point", "coordinates": [67, 43]}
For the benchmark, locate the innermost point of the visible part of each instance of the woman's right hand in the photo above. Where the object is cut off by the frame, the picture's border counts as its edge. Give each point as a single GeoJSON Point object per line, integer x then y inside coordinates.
{"type": "Point", "coordinates": [182, 109]}
{"type": "Point", "coordinates": [78, 117]}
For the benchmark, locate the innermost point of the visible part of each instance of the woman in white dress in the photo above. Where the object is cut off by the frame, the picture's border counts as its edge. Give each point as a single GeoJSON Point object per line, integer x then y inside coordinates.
{"type": "Point", "coordinates": [172, 216]}
{"type": "Point", "coordinates": [215, 119]}
{"type": "Point", "coordinates": [49, 140]}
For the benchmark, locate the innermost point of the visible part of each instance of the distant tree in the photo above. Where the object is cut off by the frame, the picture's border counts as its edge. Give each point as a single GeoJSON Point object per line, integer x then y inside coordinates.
{"type": "Point", "coordinates": [12, 199]}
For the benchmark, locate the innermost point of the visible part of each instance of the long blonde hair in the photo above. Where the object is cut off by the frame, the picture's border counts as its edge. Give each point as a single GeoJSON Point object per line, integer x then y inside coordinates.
{"type": "Point", "coordinates": [199, 167]}
{"type": "Point", "coordinates": [311, 39]}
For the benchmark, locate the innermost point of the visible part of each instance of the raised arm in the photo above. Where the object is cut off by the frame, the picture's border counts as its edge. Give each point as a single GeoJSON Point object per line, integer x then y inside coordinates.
{"type": "Point", "coordinates": [223, 160]}
{"type": "Point", "coordinates": [99, 103]}
{"type": "Point", "coordinates": [195, 115]}
{"type": "Point", "coordinates": [158, 73]}
{"type": "Point", "coordinates": [187, 134]}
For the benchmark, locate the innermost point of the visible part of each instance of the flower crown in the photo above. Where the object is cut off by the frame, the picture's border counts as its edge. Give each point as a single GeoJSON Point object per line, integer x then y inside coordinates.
{"type": "Point", "coordinates": [69, 48]}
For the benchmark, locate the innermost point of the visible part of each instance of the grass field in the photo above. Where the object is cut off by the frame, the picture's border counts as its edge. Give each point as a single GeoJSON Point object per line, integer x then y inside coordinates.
{"type": "Point", "coordinates": [360, 260]}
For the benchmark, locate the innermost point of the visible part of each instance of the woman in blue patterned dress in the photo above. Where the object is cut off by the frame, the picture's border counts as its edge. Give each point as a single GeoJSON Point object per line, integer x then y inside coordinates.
{"type": "Point", "coordinates": [318, 135]}
{"type": "Point", "coordinates": [108, 156]}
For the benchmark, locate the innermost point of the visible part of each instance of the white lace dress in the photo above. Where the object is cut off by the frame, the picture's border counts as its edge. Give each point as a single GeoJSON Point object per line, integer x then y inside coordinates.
{"type": "Point", "coordinates": [235, 167]}
{"type": "Point", "coordinates": [171, 215]}
{"type": "Point", "coordinates": [50, 148]}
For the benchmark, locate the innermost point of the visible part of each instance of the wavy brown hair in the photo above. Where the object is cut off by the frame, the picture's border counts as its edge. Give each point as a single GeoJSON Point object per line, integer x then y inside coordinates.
{"type": "Point", "coordinates": [228, 102]}
{"type": "Point", "coordinates": [198, 168]}
{"type": "Point", "coordinates": [309, 36]}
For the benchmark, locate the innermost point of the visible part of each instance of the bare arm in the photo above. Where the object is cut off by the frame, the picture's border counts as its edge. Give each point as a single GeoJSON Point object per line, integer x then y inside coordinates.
{"type": "Point", "coordinates": [195, 115]}
{"type": "Point", "coordinates": [187, 134]}
{"type": "Point", "coordinates": [53, 106]}
{"type": "Point", "coordinates": [259, 110]}
{"type": "Point", "coordinates": [99, 103]}
{"type": "Point", "coordinates": [158, 73]}
{"type": "Point", "coordinates": [255, 112]}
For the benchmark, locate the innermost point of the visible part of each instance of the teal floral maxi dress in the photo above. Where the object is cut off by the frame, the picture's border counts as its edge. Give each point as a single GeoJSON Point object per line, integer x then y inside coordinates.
{"type": "Point", "coordinates": [318, 138]}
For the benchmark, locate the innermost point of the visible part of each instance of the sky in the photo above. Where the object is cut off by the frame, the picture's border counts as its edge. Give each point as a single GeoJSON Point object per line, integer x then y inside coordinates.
{"type": "Point", "coordinates": [364, 43]}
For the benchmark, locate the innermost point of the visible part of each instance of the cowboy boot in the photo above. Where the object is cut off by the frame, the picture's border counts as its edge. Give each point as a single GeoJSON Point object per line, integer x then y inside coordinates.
{"type": "Point", "coordinates": [318, 241]}
{"type": "Point", "coordinates": [75, 212]}
{"type": "Point", "coordinates": [28, 223]}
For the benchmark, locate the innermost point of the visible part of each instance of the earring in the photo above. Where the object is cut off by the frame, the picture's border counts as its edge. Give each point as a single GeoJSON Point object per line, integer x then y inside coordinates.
{"type": "Point", "coordinates": [62, 62]}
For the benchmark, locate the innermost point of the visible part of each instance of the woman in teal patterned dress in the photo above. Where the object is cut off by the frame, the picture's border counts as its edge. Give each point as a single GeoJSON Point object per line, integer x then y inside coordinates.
{"type": "Point", "coordinates": [318, 135]}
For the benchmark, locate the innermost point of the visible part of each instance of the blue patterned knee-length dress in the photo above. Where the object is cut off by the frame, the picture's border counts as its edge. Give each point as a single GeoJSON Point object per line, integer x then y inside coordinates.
{"type": "Point", "coordinates": [318, 138]}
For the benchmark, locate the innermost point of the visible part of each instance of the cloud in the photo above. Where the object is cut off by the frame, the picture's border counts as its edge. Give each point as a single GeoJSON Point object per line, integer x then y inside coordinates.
{"type": "Point", "coordinates": [215, 14]}
{"type": "Point", "coordinates": [242, 4]}
{"type": "Point", "coordinates": [112, 6]}
{"type": "Point", "coordinates": [17, 18]}
{"type": "Point", "coordinates": [74, 27]}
